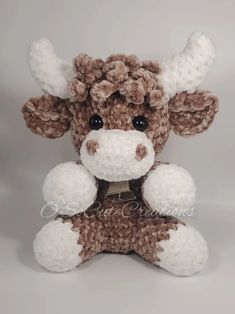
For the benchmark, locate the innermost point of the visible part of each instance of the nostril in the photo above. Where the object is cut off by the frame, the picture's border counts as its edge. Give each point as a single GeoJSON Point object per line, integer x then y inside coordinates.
{"type": "Point", "coordinates": [141, 152]}
{"type": "Point", "coordinates": [92, 147]}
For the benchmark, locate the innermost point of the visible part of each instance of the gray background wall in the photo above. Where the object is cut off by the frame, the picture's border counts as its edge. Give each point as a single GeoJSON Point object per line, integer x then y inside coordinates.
{"type": "Point", "coordinates": [150, 29]}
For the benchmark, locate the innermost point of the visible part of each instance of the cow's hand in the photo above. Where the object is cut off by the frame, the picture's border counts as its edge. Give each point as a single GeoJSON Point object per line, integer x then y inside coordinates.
{"type": "Point", "coordinates": [169, 190]}
{"type": "Point", "coordinates": [69, 188]}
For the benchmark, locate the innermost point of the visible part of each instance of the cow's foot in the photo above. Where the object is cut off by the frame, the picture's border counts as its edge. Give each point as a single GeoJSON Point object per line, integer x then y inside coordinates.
{"type": "Point", "coordinates": [184, 253]}
{"type": "Point", "coordinates": [56, 246]}
{"type": "Point", "coordinates": [164, 241]}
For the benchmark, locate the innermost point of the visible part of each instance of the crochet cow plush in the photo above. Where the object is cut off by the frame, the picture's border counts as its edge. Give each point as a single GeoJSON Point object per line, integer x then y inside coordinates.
{"type": "Point", "coordinates": [117, 197]}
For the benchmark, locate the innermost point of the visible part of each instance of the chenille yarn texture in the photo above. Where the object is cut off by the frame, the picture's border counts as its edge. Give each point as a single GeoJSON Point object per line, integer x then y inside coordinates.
{"type": "Point", "coordinates": [120, 112]}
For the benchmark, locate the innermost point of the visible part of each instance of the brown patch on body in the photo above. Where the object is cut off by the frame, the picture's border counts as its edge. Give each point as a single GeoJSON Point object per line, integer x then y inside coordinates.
{"type": "Point", "coordinates": [91, 234]}
{"type": "Point", "coordinates": [121, 227]}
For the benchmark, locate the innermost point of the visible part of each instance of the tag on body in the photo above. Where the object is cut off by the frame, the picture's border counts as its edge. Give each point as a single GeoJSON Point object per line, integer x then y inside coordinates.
{"type": "Point", "coordinates": [120, 192]}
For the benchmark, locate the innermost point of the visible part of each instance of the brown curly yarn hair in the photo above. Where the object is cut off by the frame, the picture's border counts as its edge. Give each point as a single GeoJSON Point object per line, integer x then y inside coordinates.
{"type": "Point", "coordinates": [125, 75]}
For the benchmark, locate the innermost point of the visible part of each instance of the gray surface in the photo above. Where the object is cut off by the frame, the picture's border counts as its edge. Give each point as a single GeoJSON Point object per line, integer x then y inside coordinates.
{"type": "Point", "coordinates": [151, 29]}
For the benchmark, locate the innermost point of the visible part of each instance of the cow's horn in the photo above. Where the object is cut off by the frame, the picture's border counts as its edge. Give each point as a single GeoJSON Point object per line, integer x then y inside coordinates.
{"type": "Point", "coordinates": [50, 72]}
{"type": "Point", "coordinates": [185, 71]}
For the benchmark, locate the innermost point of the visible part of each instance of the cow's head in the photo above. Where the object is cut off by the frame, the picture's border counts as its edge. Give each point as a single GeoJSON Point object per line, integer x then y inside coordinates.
{"type": "Point", "coordinates": [120, 111]}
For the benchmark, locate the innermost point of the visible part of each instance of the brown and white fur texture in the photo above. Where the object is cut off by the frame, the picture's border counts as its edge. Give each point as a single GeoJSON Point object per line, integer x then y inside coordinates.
{"type": "Point", "coordinates": [119, 113]}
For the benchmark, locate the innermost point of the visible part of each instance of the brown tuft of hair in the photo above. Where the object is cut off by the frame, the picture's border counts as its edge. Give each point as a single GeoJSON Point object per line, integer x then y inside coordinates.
{"type": "Point", "coordinates": [124, 74]}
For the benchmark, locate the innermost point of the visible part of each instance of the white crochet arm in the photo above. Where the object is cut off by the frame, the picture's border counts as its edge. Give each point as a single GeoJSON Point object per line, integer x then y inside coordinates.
{"type": "Point", "coordinates": [69, 188]}
{"type": "Point", "coordinates": [169, 190]}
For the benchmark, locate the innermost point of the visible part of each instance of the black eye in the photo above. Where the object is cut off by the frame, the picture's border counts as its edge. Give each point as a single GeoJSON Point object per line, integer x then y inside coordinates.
{"type": "Point", "coordinates": [96, 122]}
{"type": "Point", "coordinates": [140, 123]}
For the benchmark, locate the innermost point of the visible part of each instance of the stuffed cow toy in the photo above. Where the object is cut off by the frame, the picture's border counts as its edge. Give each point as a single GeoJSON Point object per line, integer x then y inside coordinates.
{"type": "Point", "coordinates": [118, 197]}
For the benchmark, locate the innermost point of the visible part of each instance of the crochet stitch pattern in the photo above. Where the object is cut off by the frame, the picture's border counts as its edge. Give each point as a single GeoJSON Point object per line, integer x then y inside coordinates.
{"type": "Point", "coordinates": [120, 112]}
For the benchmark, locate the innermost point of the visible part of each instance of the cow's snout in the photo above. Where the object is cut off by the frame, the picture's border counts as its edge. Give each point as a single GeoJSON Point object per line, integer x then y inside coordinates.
{"type": "Point", "coordinates": [117, 155]}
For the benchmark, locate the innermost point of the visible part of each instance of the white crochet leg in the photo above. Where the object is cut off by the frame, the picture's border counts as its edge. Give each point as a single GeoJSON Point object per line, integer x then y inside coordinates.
{"type": "Point", "coordinates": [184, 253]}
{"type": "Point", "coordinates": [56, 246]}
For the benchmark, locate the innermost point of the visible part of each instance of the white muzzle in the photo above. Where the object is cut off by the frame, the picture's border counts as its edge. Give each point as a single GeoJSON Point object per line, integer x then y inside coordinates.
{"type": "Point", "coordinates": [117, 155]}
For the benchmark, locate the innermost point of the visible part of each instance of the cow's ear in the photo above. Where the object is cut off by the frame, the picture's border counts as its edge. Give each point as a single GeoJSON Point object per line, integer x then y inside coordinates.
{"type": "Point", "coordinates": [47, 115]}
{"type": "Point", "coordinates": [192, 113]}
